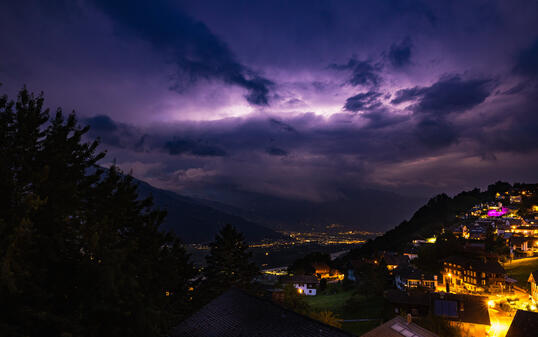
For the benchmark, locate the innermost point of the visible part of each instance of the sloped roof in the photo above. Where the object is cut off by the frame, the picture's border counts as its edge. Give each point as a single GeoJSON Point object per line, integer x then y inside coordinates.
{"type": "Point", "coordinates": [477, 265]}
{"type": "Point", "coordinates": [409, 298]}
{"type": "Point", "coordinates": [463, 308]}
{"type": "Point", "coordinates": [524, 324]}
{"type": "Point", "coordinates": [398, 327]}
{"type": "Point", "coordinates": [238, 314]}
{"type": "Point", "coordinates": [415, 274]}
{"type": "Point", "coordinates": [534, 275]}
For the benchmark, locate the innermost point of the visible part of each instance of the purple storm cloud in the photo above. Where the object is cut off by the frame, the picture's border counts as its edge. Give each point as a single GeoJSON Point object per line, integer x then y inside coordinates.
{"type": "Point", "coordinates": [296, 99]}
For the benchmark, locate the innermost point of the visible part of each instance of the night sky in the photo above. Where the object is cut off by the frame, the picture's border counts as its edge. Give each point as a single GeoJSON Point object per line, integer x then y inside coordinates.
{"type": "Point", "coordinates": [296, 99]}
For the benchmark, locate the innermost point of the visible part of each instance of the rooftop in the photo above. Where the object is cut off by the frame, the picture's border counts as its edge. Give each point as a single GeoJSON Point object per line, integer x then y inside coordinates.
{"type": "Point", "coordinates": [478, 265]}
{"type": "Point", "coordinates": [399, 327]}
{"type": "Point", "coordinates": [525, 323]}
{"type": "Point", "coordinates": [238, 314]}
{"type": "Point", "coordinates": [462, 308]}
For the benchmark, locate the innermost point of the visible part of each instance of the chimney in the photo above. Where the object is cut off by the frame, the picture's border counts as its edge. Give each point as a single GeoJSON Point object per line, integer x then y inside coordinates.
{"type": "Point", "coordinates": [409, 319]}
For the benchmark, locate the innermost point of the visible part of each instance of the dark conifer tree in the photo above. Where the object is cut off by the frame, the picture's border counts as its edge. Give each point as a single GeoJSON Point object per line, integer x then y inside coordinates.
{"type": "Point", "coordinates": [80, 253]}
{"type": "Point", "coordinates": [228, 263]}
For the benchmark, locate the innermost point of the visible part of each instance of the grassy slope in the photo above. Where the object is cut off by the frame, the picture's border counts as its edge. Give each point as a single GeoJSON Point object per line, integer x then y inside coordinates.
{"type": "Point", "coordinates": [521, 269]}
{"type": "Point", "coordinates": [371, 308]}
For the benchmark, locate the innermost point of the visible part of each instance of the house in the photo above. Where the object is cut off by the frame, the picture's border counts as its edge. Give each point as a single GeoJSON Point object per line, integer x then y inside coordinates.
{"type": "Point", "coordinates": [414, 302]}
{"type": "Point", "coordinates": [525, 230]}
{"type": "Point", "coordinates": [465, 274]}
{"type": "Point", "coordinates": [467, 312]}
{"type": "Point", "coordinates": [305, 284]}
{"type": "Point", "coordinates": [394, 261]}
{"type": "Point", "coordinates": [399, 327]}
{"type": "Point", "coordinates": [414, 278]}
{"type": "Point", "coordinates": [524, 324]}
{"type": "Point", "coordinates": [411, 253]}
{"type": "Point", "coordinates": [323, 271]}
{"type": "Point", "coordinates": [533, 280]}
{"type": "Point", "coordinates": [515, 199]}
{"type": "Point", "coordinates": [236, 314]}
{"type": "Point", "coordinates": [521, 243]}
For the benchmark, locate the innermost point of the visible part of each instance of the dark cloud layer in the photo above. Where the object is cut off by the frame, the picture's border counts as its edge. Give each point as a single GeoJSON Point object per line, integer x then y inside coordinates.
{"type": "Point", "coordinates": [197, 52]}
{"type": "Point", "coordinates": [449, 94]}
{"type": "Point", "coordinates": [363, 102]}
{"type": "Point", "coordinates": [400, 53]}
{"type": "Point", "coordinates": [418, 97]}
{"type": "Point", "coordinates": [362, 72]}
{"type": "Point", "coordinates": [527, 61]}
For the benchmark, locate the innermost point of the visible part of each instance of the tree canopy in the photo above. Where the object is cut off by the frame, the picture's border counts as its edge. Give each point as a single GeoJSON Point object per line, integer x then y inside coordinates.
{"type": "Point", "coordinates": [228, 264]}
{"type": "Point", "coordinates": [80, 253]}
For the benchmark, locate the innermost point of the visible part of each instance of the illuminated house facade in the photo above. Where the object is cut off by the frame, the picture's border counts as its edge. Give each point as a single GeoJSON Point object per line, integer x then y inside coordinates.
{"type": "Point", "coordinates": [414, 278]}
{"type": "Point", "coordinates": [463, 274]}
{"type": "Point", "coordinates": [533, 280]}
{"type": "Point", "coordinates": [305, 284]}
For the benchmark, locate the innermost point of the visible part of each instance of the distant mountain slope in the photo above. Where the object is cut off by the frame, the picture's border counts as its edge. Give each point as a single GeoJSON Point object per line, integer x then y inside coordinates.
{"type": "Point", "coordinates": [195, 222]}
{"type": "Point", "coordinates": [370, 210]}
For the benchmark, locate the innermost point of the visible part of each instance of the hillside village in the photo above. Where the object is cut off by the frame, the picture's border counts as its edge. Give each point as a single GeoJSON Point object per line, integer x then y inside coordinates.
{"type": "Point", "coordinates": [473, 277]}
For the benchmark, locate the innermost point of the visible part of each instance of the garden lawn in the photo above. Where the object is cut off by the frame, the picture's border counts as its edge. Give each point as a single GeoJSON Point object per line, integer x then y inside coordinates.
{"type": "Point", "coordinates": [364, 308]}
{"type": "Point", "coordinates": [521, 269]}
{"type": "Point", "coordinates": [333, 302]}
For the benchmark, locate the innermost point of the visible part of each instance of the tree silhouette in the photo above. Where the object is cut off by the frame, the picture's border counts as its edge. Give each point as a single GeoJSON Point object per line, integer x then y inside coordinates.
{"type": "Point", "coordinates": [80, 253]}
{"type": "Point", "coordinates": [228, 263]}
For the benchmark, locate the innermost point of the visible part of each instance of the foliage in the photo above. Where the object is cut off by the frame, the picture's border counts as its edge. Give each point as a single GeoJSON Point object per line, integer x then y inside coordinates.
{"type": "Point", "coordinates": [80, 253]}
{"type": "Point", "coordinates": [521, 269]}
{"type": "Point", "coordinates": [326, 317]}
{"type": "Point", "coordinates": [305, 265]}
{"type": "Point", "coordinates": [429, 256]}
{"type": "Point", "coordinates": [228, 264]}
{"type": "Point", "coordinates": [294, 301]}
{"type": "Point", "coordinates": [495, 243]}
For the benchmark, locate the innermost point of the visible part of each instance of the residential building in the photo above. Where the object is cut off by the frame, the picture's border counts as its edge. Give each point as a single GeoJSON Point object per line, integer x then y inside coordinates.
{"type": "Point", "coordinates": [414, 278]}
{"type": "Point", "coordinates": [236, 314]}
{"type": "Point", "coordinates": [415, 302]}
{"type": "Point", "coordinates": [515, 199]}
{"type": "Point", "coordinates": [533, 280]}
{"type": "Point", "coordinates": [524, 324]}
{"type": "Point", "coordinates": [469, 313]}
{"type": "Point", "coordinates": [473, 275]}
{"type": "Point", "coordinates": [323, 271]}
{"type": "Point", "coordinates": [523, 244]}
{"type": "Point", "coordinates": [394, 261]}
{"type": "Point", "coordinates": [305, 284]}
{"type": "Point", "coordinates": [399, 327]}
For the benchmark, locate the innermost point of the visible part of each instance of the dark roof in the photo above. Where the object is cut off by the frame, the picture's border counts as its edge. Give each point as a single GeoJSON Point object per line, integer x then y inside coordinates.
{"type": "Point", "coordinates": [415, 274]}
{"type": "Point", "coordinates": [525, 323]}
{"type": "Point", "coordinates": [300, 279]}
{"type": "Point", "coordinates": [463, 308]}
{"type": "Point", "coordinates": [238, 314]}
{"type": "Point", "coordinates": [409, 298]}
{"type": "Point", "coordinates": [399, 327]}
{"type": "Point", "coordinates": [477, 265]}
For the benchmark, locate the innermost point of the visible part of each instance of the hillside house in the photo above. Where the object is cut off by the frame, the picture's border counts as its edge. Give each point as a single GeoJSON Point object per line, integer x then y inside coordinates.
{"type": "Point", "coordinates": [413, 278]}
{"type": "Point", "coordinates": [467, 312]}
{"type": "Point", "coordinates": [305, 284]}
{"type": "Point", "coordinates": [533, 280]}
{"type": "Point", "coordinates": [465, 274]}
